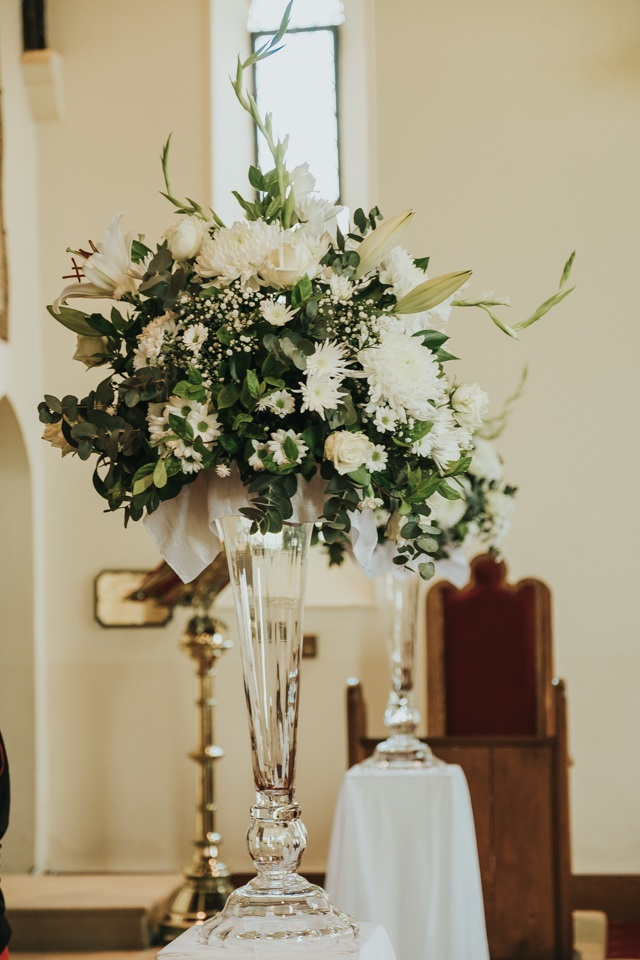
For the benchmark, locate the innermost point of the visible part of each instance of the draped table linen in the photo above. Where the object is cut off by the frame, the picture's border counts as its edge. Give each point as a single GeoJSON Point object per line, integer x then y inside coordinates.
{"type": "Point", "coordinates": [403, 853]}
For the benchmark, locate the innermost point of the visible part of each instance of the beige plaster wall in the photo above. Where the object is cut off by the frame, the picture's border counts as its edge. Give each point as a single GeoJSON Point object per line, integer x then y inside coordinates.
{"type": "Point", "coordinates": [512, 131]}
{"type": "Point", "coordinates": [22, 714]}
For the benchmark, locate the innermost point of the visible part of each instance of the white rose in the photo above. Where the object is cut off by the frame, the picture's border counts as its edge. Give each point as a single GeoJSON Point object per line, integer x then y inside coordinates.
{"type": "Point", "coordinates": [88, 348]}
{"type": "Point", "coordinates": [184, 237]}
{"type": "Point", "coordinates": [347, 450]}
{"type": "Point", "coordinates": [470, 404]}
{"type": "Point", "coordinates": [54, 435]}
{"type": "Point", "coordinates": [295, 256]}
{"type": "Point", "coordinates": [485, 462]}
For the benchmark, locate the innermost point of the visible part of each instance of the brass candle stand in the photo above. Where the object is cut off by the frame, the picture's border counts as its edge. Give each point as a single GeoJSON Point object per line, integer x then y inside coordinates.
{"type": "Point", "coordinates": [207, 885]}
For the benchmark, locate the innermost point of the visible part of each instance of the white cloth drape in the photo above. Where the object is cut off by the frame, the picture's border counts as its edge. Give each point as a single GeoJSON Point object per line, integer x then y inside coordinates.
{"type": "Point", "coordinates": [403, 853]}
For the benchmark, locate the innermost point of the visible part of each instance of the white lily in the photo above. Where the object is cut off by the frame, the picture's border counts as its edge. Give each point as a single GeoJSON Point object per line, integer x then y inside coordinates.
{"type": "Point", "coordinates": [376, 245]}
{"type": "Point", "coordinates": [110, 271]}
{"type": "Point", "coordinates": [432, 292]}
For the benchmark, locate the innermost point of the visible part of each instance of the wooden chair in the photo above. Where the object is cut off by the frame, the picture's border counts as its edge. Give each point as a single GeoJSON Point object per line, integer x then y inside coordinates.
{"type": "Point", "coordinates": [494, 709]}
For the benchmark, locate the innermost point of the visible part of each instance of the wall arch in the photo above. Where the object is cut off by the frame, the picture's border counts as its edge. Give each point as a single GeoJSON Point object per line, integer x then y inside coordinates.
{"type": "Point", "coordinates": [17, 659]}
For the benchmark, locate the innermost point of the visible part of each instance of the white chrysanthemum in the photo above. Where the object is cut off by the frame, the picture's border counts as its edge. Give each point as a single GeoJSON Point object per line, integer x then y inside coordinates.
{"type": "Point", "coordinates": [320, 393]}
{"type": "Point", "coordinates": [385, 419]}
{"type": "Point", "coordinates": [378, 459]}
{"type": "Point", "coordinates": [400, 272]}
{"type": "Point", "coordinates": [255, 460]}
{"type": "Point", "coordinates": [403, 375]}
{"type": "Point", "coordinates": [239, 251]}
{"type": "Point", "coordinates": [276, 313]}
{"type": "Point", "coordinates": [157, 429]}
{"type": "Point", "coordinates": [151, 340]}
{"type": "Point", "coordinates": [341, 288]}
{"type": "Point", "coordinates": [448, 441]}
{"type": "Point", "coordinates": [222, 470]}
{"type": "Point", "coordinates": [280, 402]}
{"type": "Point", "coordinates": [204, 424]}
{"type": "Point", "coordinates": [276, 446]}
{"type": "Point", "coordinates": [327, 359]}
{"type": "Point", "coordinates": [485, 462]}
{"type": "Point", "coordinates": [194, 337]}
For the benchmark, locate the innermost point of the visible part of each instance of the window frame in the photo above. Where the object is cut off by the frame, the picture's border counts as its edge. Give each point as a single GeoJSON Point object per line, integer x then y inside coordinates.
{"type": "Point", "coordinates": [334, 29]}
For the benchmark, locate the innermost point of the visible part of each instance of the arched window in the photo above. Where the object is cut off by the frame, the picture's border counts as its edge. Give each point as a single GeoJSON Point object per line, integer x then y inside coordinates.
{"type": "Point", "coordinates": [299, 85]}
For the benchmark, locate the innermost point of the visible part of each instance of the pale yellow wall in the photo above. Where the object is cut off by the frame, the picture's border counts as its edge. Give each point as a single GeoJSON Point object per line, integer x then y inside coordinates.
{"type": "Point", "coordinates": [512, 130]}
{"type": "Point", "coordinates": [21, 480]}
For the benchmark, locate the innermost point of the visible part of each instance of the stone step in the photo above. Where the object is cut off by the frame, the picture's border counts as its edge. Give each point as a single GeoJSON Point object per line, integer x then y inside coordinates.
{"type": "Point", "coordinates": [56, 913]}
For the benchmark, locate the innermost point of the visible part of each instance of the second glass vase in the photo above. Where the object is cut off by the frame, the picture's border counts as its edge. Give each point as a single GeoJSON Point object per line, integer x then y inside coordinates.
{"type": "Point", "coordinates": [397, 595]}
{"type": "Point", "coordinates": [268, 575]}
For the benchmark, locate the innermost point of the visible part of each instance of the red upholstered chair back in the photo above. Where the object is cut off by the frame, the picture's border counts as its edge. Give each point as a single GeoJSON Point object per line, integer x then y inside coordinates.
{"type": "Point", "coordinates": [489, 655]}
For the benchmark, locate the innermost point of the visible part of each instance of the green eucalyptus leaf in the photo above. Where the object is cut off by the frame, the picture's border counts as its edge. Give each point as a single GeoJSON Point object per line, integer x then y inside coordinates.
{"type": "Point", "coordinates": [74, 320]}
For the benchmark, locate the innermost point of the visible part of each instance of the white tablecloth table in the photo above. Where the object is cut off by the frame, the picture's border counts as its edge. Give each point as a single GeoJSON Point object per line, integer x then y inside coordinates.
{"type": "Point", "coordinates": [403, 853]}
{"type": "Point", "coordinates": [371, 944]}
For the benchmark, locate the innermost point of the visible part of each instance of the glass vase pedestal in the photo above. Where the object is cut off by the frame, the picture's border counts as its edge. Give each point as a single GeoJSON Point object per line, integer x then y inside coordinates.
{"type": "Point", "coordinates": [397, 595]}
{"type": "Point", "coordinates": [268, 573]}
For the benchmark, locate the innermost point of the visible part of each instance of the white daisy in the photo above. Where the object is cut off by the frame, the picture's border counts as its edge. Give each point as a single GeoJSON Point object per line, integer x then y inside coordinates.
{"type": "Point", "coordinates": [280, 402]}
{"type": "Point", "coordinates": [205, 425]}
{"type": "Point", "coordinates": [385, 419]}
{"type": "Point", "coordinates": [260, 450]}
{"type": "Point", "coordinates": [194, 337]}
{"type": "Point", "coordinates": [275, 447]}
{"type": "Point", "coordinates": [378, 459]}
{"type": "Point", "coordinates": [222, 470]}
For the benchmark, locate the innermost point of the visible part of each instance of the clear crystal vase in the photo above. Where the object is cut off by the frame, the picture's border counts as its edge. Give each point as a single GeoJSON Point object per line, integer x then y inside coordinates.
{"type": "Point", "coordinates": [268, 579]}
{"type": "Point", "coordinates": [397, 598]}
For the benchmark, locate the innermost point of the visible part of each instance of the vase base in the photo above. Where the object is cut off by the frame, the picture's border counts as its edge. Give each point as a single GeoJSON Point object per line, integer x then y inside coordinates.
{"type": "Point", "coordinates": [297, 911]}
{"type": "Point", "coordinates": [402, 751]}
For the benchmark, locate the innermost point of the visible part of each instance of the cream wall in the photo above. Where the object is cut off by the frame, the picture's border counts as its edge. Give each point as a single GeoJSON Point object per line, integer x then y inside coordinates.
{"type": "Point", "coordinates": [512, 131]}
{"type": "Point", "coordinates": [21, 479]}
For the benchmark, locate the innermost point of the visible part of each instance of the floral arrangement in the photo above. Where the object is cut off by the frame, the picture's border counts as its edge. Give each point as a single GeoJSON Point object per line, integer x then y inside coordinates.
{"type": "Point", "coordinates": [280, 351]}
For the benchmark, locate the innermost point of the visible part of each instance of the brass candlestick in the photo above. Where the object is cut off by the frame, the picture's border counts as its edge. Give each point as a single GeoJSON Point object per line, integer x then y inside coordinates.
{"type": "Point", "coordinates": [207, 884]}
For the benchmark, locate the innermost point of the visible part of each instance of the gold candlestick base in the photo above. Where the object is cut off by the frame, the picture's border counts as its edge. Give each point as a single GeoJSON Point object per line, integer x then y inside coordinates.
{"type": "Point", "coordinates": [195, 901]}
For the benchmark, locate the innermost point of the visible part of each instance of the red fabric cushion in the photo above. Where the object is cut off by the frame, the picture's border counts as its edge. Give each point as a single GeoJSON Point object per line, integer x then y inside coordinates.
{"type": "Point", "coordinates": [490, 667]}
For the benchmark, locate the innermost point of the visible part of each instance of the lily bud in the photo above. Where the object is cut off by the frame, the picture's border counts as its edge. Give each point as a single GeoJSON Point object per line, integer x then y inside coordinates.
{"type": "Point", "coordinates": [376, 245]}
{"type": "Point", "coordinates": [432, 292]}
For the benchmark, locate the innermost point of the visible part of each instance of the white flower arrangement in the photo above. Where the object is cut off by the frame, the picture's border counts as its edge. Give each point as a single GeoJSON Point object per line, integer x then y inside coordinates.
{"type": "Point", "coordinates": [279, 350]}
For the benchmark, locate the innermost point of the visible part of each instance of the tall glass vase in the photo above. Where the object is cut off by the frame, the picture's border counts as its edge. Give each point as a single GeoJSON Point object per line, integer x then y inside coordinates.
{"type": "Point", "coordinates": [397, 595]}
{"type": "Point", "coordinates": [268, 579]}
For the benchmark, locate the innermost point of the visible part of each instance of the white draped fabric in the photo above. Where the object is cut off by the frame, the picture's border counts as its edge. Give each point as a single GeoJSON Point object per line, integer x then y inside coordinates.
{"type": "Point", "coordinates": [403, 853]}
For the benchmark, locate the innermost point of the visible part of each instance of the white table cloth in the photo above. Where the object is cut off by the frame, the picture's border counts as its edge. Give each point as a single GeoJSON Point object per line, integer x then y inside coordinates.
{"type": "Point", "coordinates": [372, 944]}
{"type": "Point", "coordinates": [403, 853]}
